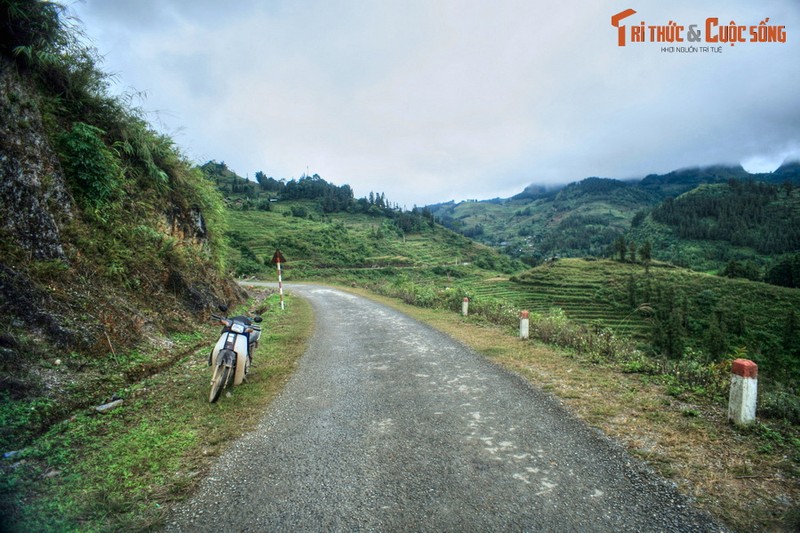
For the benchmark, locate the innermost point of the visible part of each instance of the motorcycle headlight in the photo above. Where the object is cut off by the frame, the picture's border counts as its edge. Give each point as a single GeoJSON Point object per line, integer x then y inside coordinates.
{"type": "Point", "coordinates": [237, 328]}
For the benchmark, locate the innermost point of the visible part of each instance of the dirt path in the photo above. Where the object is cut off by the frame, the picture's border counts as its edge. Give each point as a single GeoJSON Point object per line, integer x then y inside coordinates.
{"type": "Point", "coordinates": [389, 425]}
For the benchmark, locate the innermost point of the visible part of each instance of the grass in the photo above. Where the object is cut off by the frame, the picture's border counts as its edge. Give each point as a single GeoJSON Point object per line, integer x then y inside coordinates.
{"type": "Point", "coordinates": [692, 444]}
{"type": "Point", "coordinates": [121, 470]}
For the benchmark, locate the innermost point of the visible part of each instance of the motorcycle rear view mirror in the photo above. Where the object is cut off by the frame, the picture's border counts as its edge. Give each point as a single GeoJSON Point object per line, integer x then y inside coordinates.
{"type": "Point", "coordinates": [223, 307]}
{"type": "Point", "coordinates": [257, 319]}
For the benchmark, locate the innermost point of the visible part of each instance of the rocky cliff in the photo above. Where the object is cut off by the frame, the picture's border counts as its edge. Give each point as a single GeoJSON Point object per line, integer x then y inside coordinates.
{"type": "Point", "coordinates": [84, 282]}
{"type": "Point", "coordinates": [34, 202]}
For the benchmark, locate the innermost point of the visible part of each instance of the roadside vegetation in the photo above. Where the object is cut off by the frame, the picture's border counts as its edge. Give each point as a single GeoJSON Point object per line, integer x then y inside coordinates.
{"type": "Point", "coordinates": [110, 237]}
{"type": "Point", "coordinates": [111, 250]}
{"type": "Point", "coordinates": [120, 470]}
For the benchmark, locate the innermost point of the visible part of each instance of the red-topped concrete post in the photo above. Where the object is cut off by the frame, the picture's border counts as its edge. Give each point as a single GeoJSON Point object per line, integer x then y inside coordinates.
{"type": "Point", "coordinates": [465, 306]}
{"type": "Point", "coordinates": [744, 390]}
{"type": "Point", "coordinates": [524, 324]}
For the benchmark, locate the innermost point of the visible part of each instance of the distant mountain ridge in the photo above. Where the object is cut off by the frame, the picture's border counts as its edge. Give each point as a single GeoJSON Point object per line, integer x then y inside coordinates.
{"type": "Point", "coordinates": [584, 218]}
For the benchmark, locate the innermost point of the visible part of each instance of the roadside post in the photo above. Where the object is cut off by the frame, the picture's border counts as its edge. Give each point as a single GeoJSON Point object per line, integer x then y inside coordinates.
{"type": "Point", "coordinates": [744, 389]}
{"type": "Point", "coordinates": [524, 324]}
{"type": "Point", "coordinates": [465, 306]}
{"type": "Point", "coordinates": [277, 259]}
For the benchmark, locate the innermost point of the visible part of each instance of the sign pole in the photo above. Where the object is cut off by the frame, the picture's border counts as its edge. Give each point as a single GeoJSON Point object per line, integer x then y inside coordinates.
{"type": "Point", "coordinates": [278, 259]}
{"type": "Point", "coordinates": [280, 284]}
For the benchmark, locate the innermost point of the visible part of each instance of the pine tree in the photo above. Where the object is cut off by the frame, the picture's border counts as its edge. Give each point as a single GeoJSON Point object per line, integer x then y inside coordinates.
{"type": "Point", "coordinates": [620, 247]}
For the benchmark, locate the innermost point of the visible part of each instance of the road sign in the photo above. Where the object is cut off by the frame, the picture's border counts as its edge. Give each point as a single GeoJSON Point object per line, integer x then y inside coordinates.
{"type": "Point", "coordinates": [278, 257]}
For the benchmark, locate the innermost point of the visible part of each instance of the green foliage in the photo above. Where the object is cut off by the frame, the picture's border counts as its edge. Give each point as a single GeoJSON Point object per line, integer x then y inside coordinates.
{"type": "Point", "coordinates": [588, 217]}
{"type": "Point", "coordinates": [30, 29]}
{"type": "Point", "coordinates": [742, 269]}
{"type": "Point", "coordinates": [146, 153]}
{"type": "Point", "coordinates": [143, 249]}
{"type": "Point", "coordinates": [671, 312]}
{"type": "Point", "coordinates": [757, 215]}
{"type": "Point", "coordinates": [668, 323]}
{"type": "Point", "coordinates": [91, 168]}
{"type": "Point", "coordinates": [299, 211]}
{"type": "Point", "coordinates": [358, 242]}
{"type": "Point", "coordinates": [782, 403]}
{"type": "Point", "coordinates": [22, 418]}
{"type": "Point", "coordinates": [119, 470]}
{"type": "Point", "coordinates": [785, 272]}
{"type": "Point", "coordinates": [310, 196]}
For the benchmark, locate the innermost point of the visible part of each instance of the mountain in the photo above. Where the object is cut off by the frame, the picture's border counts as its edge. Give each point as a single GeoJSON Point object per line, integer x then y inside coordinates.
{"type": "Point", "coordinates": [752, 221]}
{"type": "Point", "coordinates": [585, 218]}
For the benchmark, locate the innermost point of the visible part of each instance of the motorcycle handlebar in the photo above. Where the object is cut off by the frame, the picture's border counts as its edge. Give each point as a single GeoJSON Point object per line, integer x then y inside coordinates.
{"type": "Point", "coordinates": [255, 319]}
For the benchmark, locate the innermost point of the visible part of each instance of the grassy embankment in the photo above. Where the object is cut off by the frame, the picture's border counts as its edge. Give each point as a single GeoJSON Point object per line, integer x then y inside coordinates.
{"type": "Point", "coordinates": [121, 470]}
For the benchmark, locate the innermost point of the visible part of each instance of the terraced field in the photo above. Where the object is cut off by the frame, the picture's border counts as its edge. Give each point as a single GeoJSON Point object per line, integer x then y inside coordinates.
{"type": "Point", "coordinates": [591, 300]}
{"type": "Point", "coordinates": [628, 299]}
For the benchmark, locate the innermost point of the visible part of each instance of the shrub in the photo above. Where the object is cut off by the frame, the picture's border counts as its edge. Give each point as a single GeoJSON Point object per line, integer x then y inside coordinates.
{"type": "Point", "coordinates": [780, 404]}
{"type": "Point", "coordinates": [90, 167]}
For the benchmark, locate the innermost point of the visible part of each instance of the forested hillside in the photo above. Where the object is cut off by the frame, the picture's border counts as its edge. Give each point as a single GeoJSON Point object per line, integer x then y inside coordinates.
{"type": "Point", "coordinates": [700, 218]}
{"type": "Point", "coordinates": [743, 228]}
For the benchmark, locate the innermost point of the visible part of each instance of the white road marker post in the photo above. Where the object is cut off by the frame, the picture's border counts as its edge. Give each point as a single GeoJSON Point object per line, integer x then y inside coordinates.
{"type": "Point", "coordinates": [278, 258]}
{"type": "Point", "coordinates": [465, 306]}
{"type": "Point", "coordinates": [744, 390]}
{"type": "Point", "coordinates": [524, 324]}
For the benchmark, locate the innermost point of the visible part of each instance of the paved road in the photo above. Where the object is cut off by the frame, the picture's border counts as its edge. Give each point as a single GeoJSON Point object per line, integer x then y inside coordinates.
{"type": "Point", "coordinates": [389, 425]}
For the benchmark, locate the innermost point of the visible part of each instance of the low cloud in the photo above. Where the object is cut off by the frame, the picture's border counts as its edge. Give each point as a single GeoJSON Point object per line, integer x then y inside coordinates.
{"type": "Point", "coordinates": [431, 101]}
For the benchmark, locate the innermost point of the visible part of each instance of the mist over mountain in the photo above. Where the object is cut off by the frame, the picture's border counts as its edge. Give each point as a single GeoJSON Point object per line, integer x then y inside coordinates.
{"type": "Point", "coordinates": [584, 218]}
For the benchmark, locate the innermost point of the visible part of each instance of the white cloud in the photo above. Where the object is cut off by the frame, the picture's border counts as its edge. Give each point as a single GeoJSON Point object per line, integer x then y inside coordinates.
{"type": "Point", "coordinates": [433, 100]}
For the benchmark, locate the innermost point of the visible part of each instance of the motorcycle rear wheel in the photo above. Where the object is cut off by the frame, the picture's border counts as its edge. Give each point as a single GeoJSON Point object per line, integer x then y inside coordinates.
{"type": "Point", "coordinates": [219, 380]}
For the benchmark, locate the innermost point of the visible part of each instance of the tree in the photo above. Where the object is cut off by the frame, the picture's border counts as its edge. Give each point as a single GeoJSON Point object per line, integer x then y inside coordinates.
{"type": "Point", "coordinates": [668, 331]}
{"type": "Point", "coordinates": [742, 269]}
{"type": "Point", "coordinates": [715, 339]}
{"type": "Point", "coordinates": [785, 272]}
{"type": "Point", "coordinates": [791, 334]}
{"type": "Point", "coordinates": [632, 292]}
{"type": "Point", "coordinates": [620, 247]}
{"type": "Point", "coordinates": [646, 252]}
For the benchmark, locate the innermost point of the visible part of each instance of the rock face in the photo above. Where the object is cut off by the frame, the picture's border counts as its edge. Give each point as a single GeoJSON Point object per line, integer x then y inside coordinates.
{"type": "Point", "coordinates": [34, 201]}
{"type": "Point", "coordinates": [186, 226]}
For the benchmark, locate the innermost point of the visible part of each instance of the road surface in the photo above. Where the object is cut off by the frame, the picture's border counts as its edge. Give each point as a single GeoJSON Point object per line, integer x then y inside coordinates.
{"type": "Point", "coordinates": [389, 425]}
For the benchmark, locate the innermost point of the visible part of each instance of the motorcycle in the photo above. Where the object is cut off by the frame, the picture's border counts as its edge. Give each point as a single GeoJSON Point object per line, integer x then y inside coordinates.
{"type": "Point", "coordinates": [232, 354]}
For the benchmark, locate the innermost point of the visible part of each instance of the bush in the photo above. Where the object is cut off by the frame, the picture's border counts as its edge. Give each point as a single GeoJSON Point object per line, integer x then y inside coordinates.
{"type": "Point", "coordinates": [780, 404]}
{"type": "Point", "coordinates": [91, 169]}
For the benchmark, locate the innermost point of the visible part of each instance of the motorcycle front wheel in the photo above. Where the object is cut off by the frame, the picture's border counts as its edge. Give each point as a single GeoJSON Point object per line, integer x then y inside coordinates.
{"type": "Point", "coordinates": [220, 378]}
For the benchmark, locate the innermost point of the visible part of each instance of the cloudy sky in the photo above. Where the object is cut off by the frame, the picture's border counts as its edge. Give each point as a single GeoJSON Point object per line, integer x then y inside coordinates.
{"type": "Point", "coordinates": [433, 100]}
